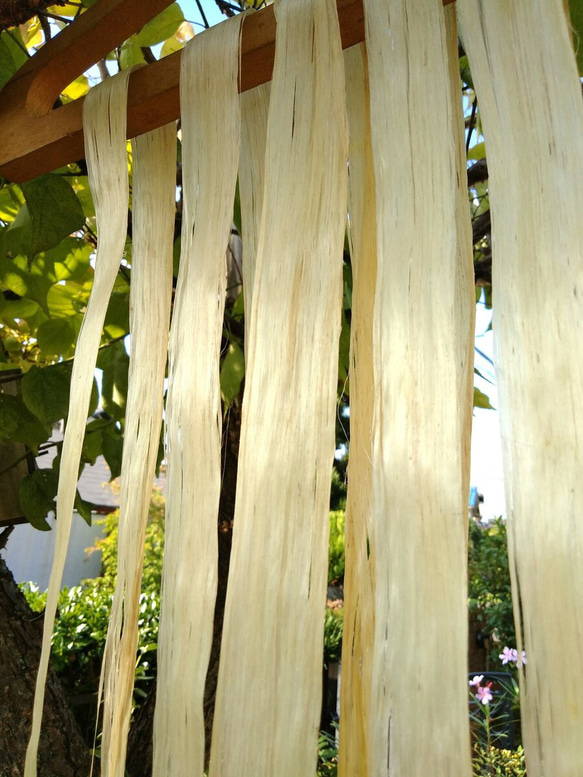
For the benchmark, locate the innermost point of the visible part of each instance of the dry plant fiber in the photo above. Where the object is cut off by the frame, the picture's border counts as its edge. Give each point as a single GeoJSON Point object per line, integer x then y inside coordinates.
{"type": "Point", "coordinates": [358, 594]}
{"type": "Point", "coordinates": [104, 120]}
{"type": "Point", "coordinates": [210, 157]}
{"type": "Point", "coordinates": [529, 95]}
{"type": "Point", "coordinates": [254, 108]}
{"type": "Point", "coordinates": [269, 688]}
{"type": "Point", "coordinates": [419, 503]}
{"type": "Point", "coordinates": [153, 202]}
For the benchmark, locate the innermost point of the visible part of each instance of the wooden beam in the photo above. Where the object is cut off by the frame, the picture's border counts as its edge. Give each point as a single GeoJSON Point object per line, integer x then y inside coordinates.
{"type": "Point", "coordinates": [36, 138]}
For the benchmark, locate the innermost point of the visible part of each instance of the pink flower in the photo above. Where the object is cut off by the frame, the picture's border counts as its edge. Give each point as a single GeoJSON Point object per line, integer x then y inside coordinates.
{"type": "Point", "coordinates": [511, 654]}
{"type": "Point", "coordinates": [477, 680]}
{"type": "Point", "coordinates": [508, 654]}
{"type": "Point", "coordinates": [484, 694]}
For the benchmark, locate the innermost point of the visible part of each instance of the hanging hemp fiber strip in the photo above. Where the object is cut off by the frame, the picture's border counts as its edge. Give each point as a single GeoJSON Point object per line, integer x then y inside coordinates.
{"type": "Point", "coordinates": [254, 108]}
{"type": "Point", "coordinates": [269, 689]}
{"type": "Point", "coordinates": [419, 509]}
{"type": "Point", "coordinates": [153, 202]}
{"type": "Point", "coordinates": [358, 634]}
{"type": "Point", "coordinates": [529, 96]}
{"type": "Point", "coordinates": [104, 121]}
{"type": "Point", "coordinates": [211, 136]}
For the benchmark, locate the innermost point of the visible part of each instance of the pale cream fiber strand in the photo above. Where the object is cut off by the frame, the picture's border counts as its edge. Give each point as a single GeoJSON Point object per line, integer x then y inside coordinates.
{"type": "Point", "coordinates": [254, 108]}
{"type": "Point", "coordinates": [104, 120]}
{"type": "Point", "coordinates": [269, 689]}
{"type": "Point", "coordinates": [211, 137]}
{"type": "Point", "coordinates": [530, 102]}
{"type": "Point", "coordinates": [357, 641]}
{"type": "Point", "coordinates": [419, 508]}
{"type": "Point", "coordinates": [154, 186]}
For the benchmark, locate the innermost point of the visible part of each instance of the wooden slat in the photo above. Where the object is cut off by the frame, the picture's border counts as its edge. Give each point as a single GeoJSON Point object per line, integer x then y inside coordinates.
{"type": "Point", "coordinates": [35, 139]}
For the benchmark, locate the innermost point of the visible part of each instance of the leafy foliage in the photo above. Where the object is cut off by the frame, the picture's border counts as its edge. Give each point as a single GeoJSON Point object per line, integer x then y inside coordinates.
{"type": "Point", "coordinates": [333, 626]}
{"type": "Point", "coordinates": [495, 762]}
{"type": "Point", "coordinates": [336, 559]}
{"type": "Point", "coordinates": [83, 611]}
{"type": "Point", "coordinates": [490, 596]}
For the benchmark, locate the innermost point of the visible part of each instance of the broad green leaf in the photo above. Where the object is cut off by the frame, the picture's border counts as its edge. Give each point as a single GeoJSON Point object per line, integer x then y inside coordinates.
{"type": "Point", "coordinates": [56, 336]}
{"type": "Point", "coordinates": [93, 442]}
{"type": "Point", "coordinates": [77, 88]}
{"type": "Point", "coordinates": [83, 508]}
{"type": "Point", "coordinates": [16, 309]}
{"type": "Point", "coordinates": [7, 67]}
{"type": "Point", "coordinates": [55, 212]}
{"type": "Point", "coordinates": [130, 53]}
{"type": "Point", "coordinates": [18, 236]}
{"type": "Point", "coordinates": [117, 318]}
{"type": "Point", "coordinates": [36, 495]}
{"type": "Point", "coordinates": [232, 373]}
{"type": "Point", "coordinates": [65, 300]}
{"type": "Point", "coordinates": [18, 424]}
{"type": "Point", "coordinates": [478, 151]}
{"type": "Point", "coordinates": [114, 362]}
{"type": "Point", "coordinates": [162, 26]}
{"type": "Point", "coordinates": [45, 391]}
{"type": "Point", "coordinates": [344, 357]}
{"type": "Point", "coordinates": [15, 45]}
{"type": "Point", "coordinates": [112, 450]}
{"type": "Point", "coordinates": [576, 11]}
{"type": "Point", "coordinates": [9, 204]}
{"type": "Point", "coordinates": [481, 400]}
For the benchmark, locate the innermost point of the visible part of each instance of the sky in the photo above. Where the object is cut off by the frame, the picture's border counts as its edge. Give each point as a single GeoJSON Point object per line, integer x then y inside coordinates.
{"type": "Point", "coordinates": [486, 467]}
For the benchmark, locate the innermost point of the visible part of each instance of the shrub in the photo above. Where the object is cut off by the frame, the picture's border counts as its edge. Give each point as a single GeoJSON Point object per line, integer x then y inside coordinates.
{"type": "Point", "coordinates": [336, 548]}
{"type": "Point", "coordinates": [490, 597]}
{"type": "Point", "coordinates": [494, 762]}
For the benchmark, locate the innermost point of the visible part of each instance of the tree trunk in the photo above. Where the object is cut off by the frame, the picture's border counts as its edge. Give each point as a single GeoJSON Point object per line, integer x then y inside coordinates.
{"type": "Point", "coordinates": [139, 759]}
{"type": "Point", "coordinates": [62, 751]}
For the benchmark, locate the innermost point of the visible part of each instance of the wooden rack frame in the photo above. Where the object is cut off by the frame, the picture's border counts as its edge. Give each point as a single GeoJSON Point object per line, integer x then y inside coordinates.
{"type": "Point", "coordinates": [36, 137]}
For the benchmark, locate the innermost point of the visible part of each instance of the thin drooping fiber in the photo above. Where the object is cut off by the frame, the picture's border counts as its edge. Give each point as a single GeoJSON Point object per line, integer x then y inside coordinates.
{"type": "Point", "coordinates": [419, 514]}
{"type": "Point", "coordinates": [254, 108]}
{"type": "Point", "coordinates": [154, 185]}
{"type": "Point", "coordinates": [104, 120]}
{"type": "Point", "coordinates": [211, 136]}
{"type": "Point", "coordinates": [269, 688]}
{"type": "Point", "coordinates": [358, 594]}
{"type": "Point", "coordinates": [530, 102]}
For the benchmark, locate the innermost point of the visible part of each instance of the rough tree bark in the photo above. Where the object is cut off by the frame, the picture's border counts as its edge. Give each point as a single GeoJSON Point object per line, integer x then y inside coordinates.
{"type": "Point", "coordinates": [62, 752]}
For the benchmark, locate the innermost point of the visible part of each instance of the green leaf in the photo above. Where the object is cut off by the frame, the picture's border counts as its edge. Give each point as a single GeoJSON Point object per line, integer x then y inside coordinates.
{"type": "Point", "coordinates": [232, 373]}
{"type": "Point", "coordinates": [130, 53]}
{"type": "Point", "coordinates": [13, 41]}
{"type": "Point", "coordinates": [18, 424]}
{"type": "Point", "coordinates": [7, 66]}
{"type": "Point", "coordinates": [55, 212]}
{"type": "Point", "coordinates": [112, 450]}
{"type": "Point", "coordinates": [93, 442]}
{"type": "Point", "coordinates": [576, 11]}
{"type": "Point", "coordinates": [56, 336]}
{"type": "Point", "coordinates": [45, 391]}
{"type": "Point", "coordinates": [162, 26]}
{"type": "Point", "coordinates": [83, 508]}
{"type": "Point", "coordinates": [481, 400]}
{"type": "Point", "coordinates": [344, 356]}
{"type": "Point", "coordinates": [36, 495]}
{"type": "Point", "coordinates": [114, 362]}
{"type": "Point", "coordinates": [117, 318]}
{"type": "Point", "coordinates": [478, 151]}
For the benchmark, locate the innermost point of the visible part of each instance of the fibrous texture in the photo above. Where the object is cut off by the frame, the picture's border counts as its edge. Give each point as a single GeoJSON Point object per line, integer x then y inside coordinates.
{"type": "Point", "coordinates": [530, 102]}
{"type": "Point", "coordinates": [211, 131]}
{"type": "Point", "coordinates": [254, 108]}
{"type": "Point", "coordinates": [154, 183]}
{"type": "Point", "coordinates": [268, 697]}
{"type": "Point", "coordinates": [358, 594]}
{"type": "Point", "coordinates": [104, 119]}
{"type": "Point", "coordinates": [421, 403]}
